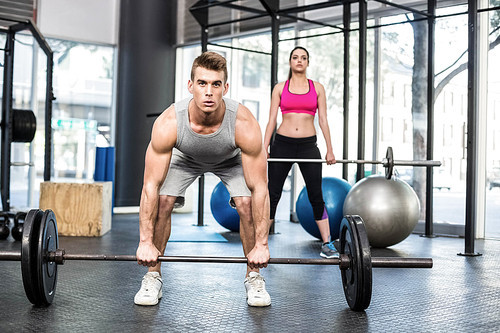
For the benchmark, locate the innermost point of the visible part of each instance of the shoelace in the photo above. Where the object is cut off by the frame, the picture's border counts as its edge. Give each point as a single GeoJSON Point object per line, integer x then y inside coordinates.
{"type": "Point", "coordinates": [148, 282]}
{"type": "Point", "coordinates": [331, 246]}
{"type": "Point", "coordinates": [257, 283]}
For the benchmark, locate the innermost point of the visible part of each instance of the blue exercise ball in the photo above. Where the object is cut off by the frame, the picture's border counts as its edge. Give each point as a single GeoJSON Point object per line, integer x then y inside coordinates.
{"type": "Point", "coordinates": [222, 211]}
{"type": "Point", "coordinates": [334, 193]}
{"type": "Point", "coordinates": [389, 208]}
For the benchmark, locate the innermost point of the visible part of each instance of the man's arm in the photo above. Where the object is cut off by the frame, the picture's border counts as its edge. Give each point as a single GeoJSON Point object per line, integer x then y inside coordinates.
{"type": "Point", "coordinates": [248, 138]}
{"type": "Point", "coordinates": [157, 161]}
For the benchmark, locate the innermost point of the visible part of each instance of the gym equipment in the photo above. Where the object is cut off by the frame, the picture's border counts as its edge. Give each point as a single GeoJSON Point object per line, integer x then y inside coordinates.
{"type": "Point", "coordinates": [388, 162]}
{"type": "Point", "coordinates": [40, 257]}
{"type": "Point", "coordinates": [39, 274]}
{"type": "Point", "coordinates": [17, 229]}
{"type": "Point", "coordinates": [20, 125]}
{"type": "Point", "coordinates": [389, 207]}
{"type": "Point", "coordinates": [4, 225]}
{"type": "Point", "coordinates": [334, 193]}
{"type": "Point", "coordinates": [23, 125]}
{"type": "Point", "coordinates": [222, 211]}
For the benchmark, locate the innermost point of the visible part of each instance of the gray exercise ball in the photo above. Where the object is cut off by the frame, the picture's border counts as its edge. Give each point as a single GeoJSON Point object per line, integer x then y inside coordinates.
{"type": "Point", "coordinates": [389, 207]}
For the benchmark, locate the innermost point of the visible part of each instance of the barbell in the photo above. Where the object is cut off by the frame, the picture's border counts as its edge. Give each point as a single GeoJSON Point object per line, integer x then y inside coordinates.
{"type": "Point", "coordinates": [40, 256]}
{"type": "Point", "coordinates": [388, 162]}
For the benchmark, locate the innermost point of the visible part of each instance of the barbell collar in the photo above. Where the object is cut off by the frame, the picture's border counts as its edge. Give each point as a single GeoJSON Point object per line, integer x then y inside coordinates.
{"type": "Point", "coordinates": [392, 262]}
{"type": "Point", "coordinates": [425, 163]}
{"type": "Point", "coordinates": [10, 256]}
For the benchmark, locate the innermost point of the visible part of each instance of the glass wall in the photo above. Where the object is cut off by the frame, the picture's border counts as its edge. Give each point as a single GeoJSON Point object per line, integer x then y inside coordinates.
{"type": "Point", "coordinates": [81, 118]}
{"type": "Point", "coordinates": [22, 93]}
{"type": "Point", "coordinates": [401, 121]}
{"type": "Point", "coordinates": [450, 121]}
{"type": "Point", "coordinates": [396, 70]}
{"type": "Point", "coordinates": [492, 216]}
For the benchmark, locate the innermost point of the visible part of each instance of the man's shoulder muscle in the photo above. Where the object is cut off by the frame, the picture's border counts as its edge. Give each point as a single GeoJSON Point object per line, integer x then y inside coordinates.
{"type": "Point", "coordinates": [164, 134]}
{"type": "Point", "coordinates": [247, 132]}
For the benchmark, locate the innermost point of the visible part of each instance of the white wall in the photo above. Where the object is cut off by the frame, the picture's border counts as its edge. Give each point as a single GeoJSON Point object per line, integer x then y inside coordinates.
{"type": "Point", "coordinates": [91, 21]}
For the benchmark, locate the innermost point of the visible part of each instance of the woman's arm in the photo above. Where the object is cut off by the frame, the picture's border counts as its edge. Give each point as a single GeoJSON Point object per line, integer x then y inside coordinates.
{"type": "Point", "coordinates": [273, 115]}
{"type": "Point", "coordinates": [323, 122]}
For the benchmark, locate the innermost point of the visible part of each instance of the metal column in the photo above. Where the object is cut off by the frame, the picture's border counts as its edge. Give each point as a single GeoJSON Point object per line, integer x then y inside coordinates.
{"type": "Point", "coordinates": [347, 35]}
{"type": "Point", "coordinates": [360, 173]}
{"type": "Point", "coordinates": [202, 18]}
{"type": "Point", "coordinates": [471, 180]}
{"type": "Point", "coordinates": [376, 92]}
{"type": "Point", "coordinates": [49, 97]}
{"type": "Point", "coordinates": [8, 71]}
{"type": "Point", "coordinates": [275, 29]}
{"type": "Point", "coordinates": [431, 8]}
{"type": "Point", "coordinates": [272, 6]}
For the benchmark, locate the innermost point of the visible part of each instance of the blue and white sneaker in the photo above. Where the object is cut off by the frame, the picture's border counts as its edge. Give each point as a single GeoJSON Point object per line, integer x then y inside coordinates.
{"type": "Point", "coordinates": [329, 251]}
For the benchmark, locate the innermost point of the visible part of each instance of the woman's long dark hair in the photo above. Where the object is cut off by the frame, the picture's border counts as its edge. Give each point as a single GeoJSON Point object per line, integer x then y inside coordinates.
{"type": "Point", "coordinates": [290, 58]}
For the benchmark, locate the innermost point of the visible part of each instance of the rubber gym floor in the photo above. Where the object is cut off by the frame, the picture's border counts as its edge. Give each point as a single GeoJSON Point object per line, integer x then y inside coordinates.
{"type": "Point", "coordinates": [460, 294]}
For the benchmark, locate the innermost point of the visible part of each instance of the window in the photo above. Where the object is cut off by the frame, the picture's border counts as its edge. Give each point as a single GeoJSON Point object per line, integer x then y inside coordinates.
{"type": "Point", "coordinates": [81, 118]}
{"type": "Point", "coordinates": [407, 96]}
{"type": "Point", "coordinates": [251, 72]}
{"type": "Point", "coordinates": [407, 131]}
{"type": "Point", "coordinates": [253, 106]}
{"type": "Point", "coordinates": [387, 128]}
{"type": "Point", "coordinates": [388, 92]}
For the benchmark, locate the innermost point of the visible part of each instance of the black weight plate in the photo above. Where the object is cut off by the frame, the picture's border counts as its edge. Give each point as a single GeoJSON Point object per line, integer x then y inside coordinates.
{"type": "Point", "coordinates": [48, 241]}
{"type": "Point", "coordinates": [350, 276]}
{"type": "Point", "coordinates": [366, 258]}
{"type": "Point", "coordinates": [23, 126]}
{"type": "Point", "coordinates": [389, 167]}
{"type": "Point", "coordinates": [29, 248]}
{"type": "Point", "coordinates": [357, 286]}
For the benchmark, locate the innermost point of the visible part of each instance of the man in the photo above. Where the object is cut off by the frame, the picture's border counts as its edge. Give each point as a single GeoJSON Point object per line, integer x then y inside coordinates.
{"type": "Point", "coordinates": [205, 133]}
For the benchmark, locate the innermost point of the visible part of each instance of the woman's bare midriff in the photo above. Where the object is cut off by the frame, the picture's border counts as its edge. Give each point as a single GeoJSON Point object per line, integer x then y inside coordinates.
{"type": "Point", "coordinates": [297, 125]}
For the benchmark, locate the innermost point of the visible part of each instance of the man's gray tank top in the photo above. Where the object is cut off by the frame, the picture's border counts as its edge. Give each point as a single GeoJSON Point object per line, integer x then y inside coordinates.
{"type": "Point", "coordinates": [211, 148]}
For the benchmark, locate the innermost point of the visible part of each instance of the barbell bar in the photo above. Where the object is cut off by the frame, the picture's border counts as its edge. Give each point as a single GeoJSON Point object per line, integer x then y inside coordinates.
{"type": "Point", "coordinates": [40, 257]}
{"type": "Point", "coordinates": [383, 162]}
{"type": "Point", "coordinates": [60, 256]}
{"type": "Point", "coordinates": [388, 162]}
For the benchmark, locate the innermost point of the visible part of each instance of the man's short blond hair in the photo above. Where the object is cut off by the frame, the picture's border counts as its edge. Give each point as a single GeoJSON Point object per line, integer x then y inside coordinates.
{"type": "Point", "coordinates": [212, 61]}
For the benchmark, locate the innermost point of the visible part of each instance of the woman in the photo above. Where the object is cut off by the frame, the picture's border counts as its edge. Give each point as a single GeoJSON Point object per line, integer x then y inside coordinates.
{"type": "Point", "coordinates": [299, 100]}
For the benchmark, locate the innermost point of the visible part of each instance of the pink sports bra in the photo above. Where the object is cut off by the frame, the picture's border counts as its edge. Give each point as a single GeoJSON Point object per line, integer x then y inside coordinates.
{"type": "Point", "coordinates": [299, 103]}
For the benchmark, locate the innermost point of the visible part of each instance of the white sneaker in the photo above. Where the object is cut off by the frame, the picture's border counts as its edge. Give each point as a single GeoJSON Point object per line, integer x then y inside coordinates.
{"type": "Point", "coordinates": [151, 289]}
{"type": "Point", "coordinates": [256, 290]}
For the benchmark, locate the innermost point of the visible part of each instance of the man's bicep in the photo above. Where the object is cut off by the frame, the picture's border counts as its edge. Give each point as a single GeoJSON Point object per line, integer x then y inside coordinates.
{"type": "Point", "coordinates": [159, 151]}
{"type": "Point", "coordinates": [254, 168]}
{"type": "Point", "coordinates": [156, 165]}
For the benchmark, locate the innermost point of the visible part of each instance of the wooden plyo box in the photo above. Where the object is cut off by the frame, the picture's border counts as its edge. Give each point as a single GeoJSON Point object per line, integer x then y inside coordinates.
{"type": "Point", "coordinates": [80, 209]}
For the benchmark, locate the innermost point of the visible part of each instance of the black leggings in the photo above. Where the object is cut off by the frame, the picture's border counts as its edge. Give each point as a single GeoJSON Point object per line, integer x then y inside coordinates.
{"type": "Point", "coordinates": [296, 148]}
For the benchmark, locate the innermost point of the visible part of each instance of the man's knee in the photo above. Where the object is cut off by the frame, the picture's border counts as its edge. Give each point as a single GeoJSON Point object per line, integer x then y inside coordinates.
{"type": "Point", "coordinates": [165, 206]}
{"type": "Point", "coordinates": [244, 207]}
